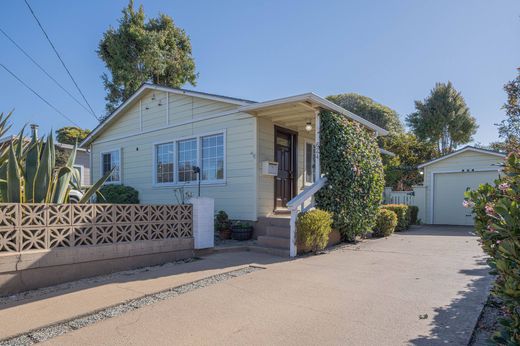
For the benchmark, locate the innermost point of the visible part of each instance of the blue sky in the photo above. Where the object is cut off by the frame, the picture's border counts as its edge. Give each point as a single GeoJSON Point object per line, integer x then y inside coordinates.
{"type": "Point", "coordinates": [392, 51]}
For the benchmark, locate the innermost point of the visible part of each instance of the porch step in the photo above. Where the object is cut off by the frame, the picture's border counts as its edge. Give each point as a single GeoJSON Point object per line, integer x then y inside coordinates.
{"type": "Point", "coordinates": [278, 231]}
{"type": "Point", "coordinates": [275, 220]}
{"type": "Point", "coordinates": [274, 242]}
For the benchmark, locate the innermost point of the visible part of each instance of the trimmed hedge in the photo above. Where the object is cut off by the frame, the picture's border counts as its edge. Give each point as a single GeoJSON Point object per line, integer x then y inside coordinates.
{"type": "Point", "coordinates": [314, 228]}
{"type": "Point", "coordinates": [414, 211]}
{"type": "Point", "coordinates": [386, 221]}
{"type": "Point", "coordinates": [351, 161]}
{"type": "Point", "coordinates": [403, 215]}
{"type": "Point", "coordinates": [118, 194]}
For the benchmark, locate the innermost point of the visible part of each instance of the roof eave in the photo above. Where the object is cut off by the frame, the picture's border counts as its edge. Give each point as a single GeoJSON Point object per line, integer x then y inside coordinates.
{"type": "Point", "coordinates": [460, 151]}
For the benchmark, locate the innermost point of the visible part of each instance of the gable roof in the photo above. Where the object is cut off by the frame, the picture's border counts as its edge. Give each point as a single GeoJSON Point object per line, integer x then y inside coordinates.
{"type": "Point", "coordinates": [149, 86]}
{"type": "Point", "coordinates": [244, 106]}
{"type": "Point", "coordinates": [318, 101]}
{"type": "Point", "coordinates": [463, 150]}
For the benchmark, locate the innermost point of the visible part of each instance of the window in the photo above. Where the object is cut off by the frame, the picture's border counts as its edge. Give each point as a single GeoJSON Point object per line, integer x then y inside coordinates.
{"type": "Point", "coordinates": [310, 162]}
{"type": "Point", "coordinates": [111, 160]}
{"type": "Point", "coordinates": [213, 157]}
{"type": "Point", "coordinates": [79, 174]}
{"type": "Point", "coordinates": [164, 163]}
{"type": "Point", "coordinates": [186, 159]}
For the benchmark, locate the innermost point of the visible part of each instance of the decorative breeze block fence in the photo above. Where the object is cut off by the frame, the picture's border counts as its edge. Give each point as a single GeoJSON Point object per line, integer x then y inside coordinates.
{"type": "Point", "coordinates": [25, 227]}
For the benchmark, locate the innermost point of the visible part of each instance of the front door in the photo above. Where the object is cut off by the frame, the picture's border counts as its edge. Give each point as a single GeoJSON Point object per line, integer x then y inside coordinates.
{"type": "Point", "coordinates": [285, 155]}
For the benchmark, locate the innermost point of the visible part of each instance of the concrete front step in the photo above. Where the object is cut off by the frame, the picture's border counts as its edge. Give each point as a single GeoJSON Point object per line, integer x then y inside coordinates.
{"type": "Point", "coordinates": [274, 242]}
{"type": "Point", "coordinates": [275, 220]}
{"type": "Point", "coordinates": [277, 231]}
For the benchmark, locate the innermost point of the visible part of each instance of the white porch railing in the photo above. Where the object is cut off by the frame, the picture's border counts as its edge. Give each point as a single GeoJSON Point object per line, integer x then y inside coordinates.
{"type": "Point", "coordinates": [297, 205]}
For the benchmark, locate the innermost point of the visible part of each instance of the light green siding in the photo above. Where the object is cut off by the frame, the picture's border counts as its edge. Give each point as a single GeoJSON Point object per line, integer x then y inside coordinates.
{"type": "Point", "coordinates": [147, 123]}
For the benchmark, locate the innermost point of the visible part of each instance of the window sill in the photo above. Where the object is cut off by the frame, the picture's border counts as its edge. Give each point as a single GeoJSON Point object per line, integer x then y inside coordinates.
{"type": "Point", "coordinates": [190, 184]}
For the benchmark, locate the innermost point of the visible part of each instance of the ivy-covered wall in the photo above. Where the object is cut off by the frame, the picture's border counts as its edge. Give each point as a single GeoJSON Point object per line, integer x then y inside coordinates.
{"type": "Point", "coordinates": [351, 161]}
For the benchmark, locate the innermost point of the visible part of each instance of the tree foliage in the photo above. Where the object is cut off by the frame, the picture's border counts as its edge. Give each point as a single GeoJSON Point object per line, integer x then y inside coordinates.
{"type": "Point", "coordinates": [71, 134]}
{"type": "Point", "coordinates": [509, 128]}
{"type": "Point", "coordinates": [139, 51]}
{"type": "Point", "coordinates": [370, 110]}
{"type": "Point", "coordinates": [401, 171]}
{"type": "Point", "coordinates": [350, 160]}
{"type": "Point", "coordinates": [443, 119]}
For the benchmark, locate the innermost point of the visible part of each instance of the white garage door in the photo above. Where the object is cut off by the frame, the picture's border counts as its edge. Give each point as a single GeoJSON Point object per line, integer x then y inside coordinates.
{"type": "Point", "coordinates": [448, 195]}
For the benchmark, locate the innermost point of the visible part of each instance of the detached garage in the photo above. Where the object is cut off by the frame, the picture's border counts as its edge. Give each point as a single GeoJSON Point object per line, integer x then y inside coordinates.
{"type": "Point", "coordinates": [448, 177]}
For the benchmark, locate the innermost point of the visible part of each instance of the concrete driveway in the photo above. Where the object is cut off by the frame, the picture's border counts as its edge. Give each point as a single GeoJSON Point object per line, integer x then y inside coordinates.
{"type": "Point", "coordinates": [425, 286]}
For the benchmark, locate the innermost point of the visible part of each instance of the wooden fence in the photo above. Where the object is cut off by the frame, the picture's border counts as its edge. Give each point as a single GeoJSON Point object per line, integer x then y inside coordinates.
{"type": "Point", "coordinates": [26, 227]}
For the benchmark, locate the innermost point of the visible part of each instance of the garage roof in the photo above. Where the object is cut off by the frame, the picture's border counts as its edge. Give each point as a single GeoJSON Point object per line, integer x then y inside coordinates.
{"type": "Point", "coordinates": [463, 150]}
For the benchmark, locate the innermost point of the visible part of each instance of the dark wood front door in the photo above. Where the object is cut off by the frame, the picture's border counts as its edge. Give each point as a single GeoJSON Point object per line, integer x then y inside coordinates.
{"type": "Point", "coordinates": [285, 155]}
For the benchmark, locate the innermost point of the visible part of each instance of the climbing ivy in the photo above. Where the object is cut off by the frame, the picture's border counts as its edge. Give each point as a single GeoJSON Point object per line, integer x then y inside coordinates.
{"type": "Point", "coordinates": [351, 161]}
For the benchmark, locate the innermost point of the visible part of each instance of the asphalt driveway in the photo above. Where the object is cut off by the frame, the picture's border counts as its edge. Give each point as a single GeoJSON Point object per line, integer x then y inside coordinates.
{"type": "Point", "coordinates": [425, 286]}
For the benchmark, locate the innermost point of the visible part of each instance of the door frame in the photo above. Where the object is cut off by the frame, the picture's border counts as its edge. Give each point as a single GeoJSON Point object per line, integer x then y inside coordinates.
{"type": "Point", "coordinates": [294, 144]}
{"type": "Point", "coordinates": [432, 180]}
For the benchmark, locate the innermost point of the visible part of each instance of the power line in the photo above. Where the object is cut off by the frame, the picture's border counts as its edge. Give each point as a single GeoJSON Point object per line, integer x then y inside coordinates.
{"type": "Point", "coordinates": [45, 71]}
{"type": "Point", "coordinates": [59, 57]}
{"type": "Point", "coordinates": [38, 95]}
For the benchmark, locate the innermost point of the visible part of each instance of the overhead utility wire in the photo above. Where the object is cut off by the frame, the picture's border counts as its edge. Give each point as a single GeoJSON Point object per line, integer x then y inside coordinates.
{"type": "Point", "coordinates": [44, 71]}
{"type": "Point", "coordinates": [38, 95]}
{"type": "Point", "coordinates": [59, 57]}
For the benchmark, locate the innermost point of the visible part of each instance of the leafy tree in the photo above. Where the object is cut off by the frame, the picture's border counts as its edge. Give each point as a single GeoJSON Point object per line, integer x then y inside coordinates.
{"type": "Point", "coordinates": [71, 134]}
{"type": "Point", "coordinates": [443, 119]}
{"type": "Point", "coordinates": [509, 128]}
{"type": "Point", "coordinates": [370, 110]}
{"type": "Point", "coordinates": [401, 171]}
{"type": "Point", "coordinates": [139, 51]}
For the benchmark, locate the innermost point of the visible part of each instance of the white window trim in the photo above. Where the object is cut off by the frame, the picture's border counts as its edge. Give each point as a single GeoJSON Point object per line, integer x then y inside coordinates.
{"type": "Point", "coordinates": [120, 181]}
{"type": "Point", "coordinates": [81, 172]}
{"type": "Point", "coordinates": [305, 182]}
{"type": "Point", "coordinates": [198, 138]}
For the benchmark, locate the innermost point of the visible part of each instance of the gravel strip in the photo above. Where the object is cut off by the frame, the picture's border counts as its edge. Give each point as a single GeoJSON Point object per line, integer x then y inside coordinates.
{"type": "Point", "coordinates": [61, 328]}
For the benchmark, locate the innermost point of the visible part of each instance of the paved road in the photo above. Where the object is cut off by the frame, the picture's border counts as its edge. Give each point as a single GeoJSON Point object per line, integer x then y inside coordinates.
{"type": "Point", "coordinates": [425, 286]}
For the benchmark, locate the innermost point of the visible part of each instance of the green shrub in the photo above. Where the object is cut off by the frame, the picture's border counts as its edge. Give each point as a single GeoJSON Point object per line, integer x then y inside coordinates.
{"type": "Point", "coordinates": [118, 194]}
{"type": "Point", "coordinates": [314, 228]}
{"type": "Point", "coordinates": [222, 221]}
{"type": "Point", "coordinates": [386, 221]}
{"type": "Point", "coordinates": [414, 212]}
{"type": "Point", "coordinates": [497, 220]}
{"type": "Point", "coordinates": [403, 215]}
{"type": "Point", "coordinates": [351, 161]}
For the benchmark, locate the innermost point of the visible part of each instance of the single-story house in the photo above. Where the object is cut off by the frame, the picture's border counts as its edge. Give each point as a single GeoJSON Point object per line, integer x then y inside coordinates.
{"type": "Point", "coordinates": [447, 178]}
{"type": "Point", "coordinates": [254, 157]}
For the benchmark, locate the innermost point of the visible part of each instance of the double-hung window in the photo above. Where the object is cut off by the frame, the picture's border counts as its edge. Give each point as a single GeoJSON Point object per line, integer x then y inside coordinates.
{"type": "Point", "coordinates": [111, 160]}
{"type": "Point", "coordinates": [164, 171]}
{"type": "Point", "coordinates": [186, 159]}
{"type": "Point", "coordinates": [174, 161]}
{"type": "Point", "coordinates": [213, 157]}
{"type": "Point", "coordinates": [310, 163]}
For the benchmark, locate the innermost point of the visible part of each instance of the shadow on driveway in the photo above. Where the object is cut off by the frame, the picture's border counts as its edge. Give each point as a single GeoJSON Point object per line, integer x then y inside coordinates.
{"type": "Point", "coordinates": [461, 311]}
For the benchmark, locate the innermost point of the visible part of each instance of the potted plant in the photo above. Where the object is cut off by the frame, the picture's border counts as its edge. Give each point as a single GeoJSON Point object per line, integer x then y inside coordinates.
{"type": "Point", "coordinates": [222, 225]}
{"type": "Point", "coordinates": [241, 230]}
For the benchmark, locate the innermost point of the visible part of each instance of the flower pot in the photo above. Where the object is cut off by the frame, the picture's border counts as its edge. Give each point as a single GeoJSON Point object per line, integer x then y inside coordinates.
{"type": "Point", "coordinates": [224, 234]}
{"type": "Point", "coordinates": [242, 233]}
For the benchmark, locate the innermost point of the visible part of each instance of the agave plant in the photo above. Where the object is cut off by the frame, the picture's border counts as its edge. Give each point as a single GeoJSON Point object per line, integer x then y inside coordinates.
{"type": "Point", "coordinates": [28, 173]}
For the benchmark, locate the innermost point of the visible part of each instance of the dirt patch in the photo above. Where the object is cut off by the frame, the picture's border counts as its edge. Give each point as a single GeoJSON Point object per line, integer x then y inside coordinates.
{"type": "Point", "coordinates": [487, 323]}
